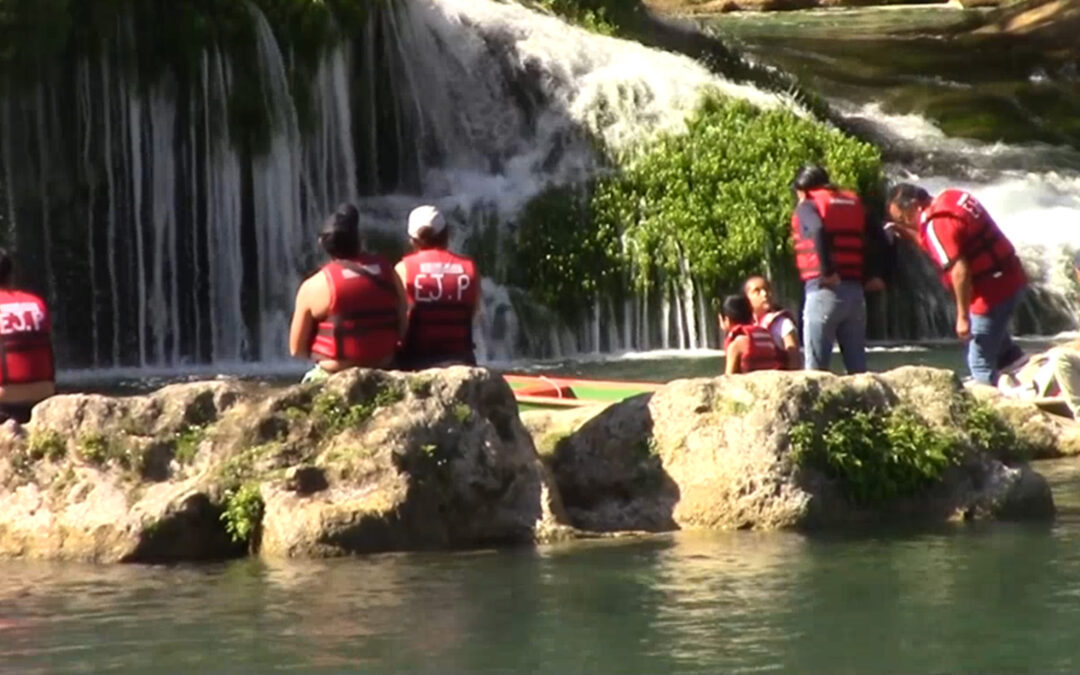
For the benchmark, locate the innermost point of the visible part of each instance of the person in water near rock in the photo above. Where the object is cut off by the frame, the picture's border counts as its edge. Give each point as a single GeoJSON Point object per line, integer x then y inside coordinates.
{"type": "Point", "coordinates": [747, 346]}
{"type": "Point", "coordinates": [27, 369]}
{"type": "Point", "coordinates": [443, 292]}
{"type": "Point", "coordinates": [1051, 379]}
{"type": "Point", "coordinates": [778, 321]}
{"type": "Point", "coordinates": [978, 263]}
{"type": "Point", "coordinates": [832, 253]}
{"type": "Point", "coordinates": [351, 312]}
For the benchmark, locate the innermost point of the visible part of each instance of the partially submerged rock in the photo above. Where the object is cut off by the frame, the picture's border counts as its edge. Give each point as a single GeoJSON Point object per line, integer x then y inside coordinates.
{"type": "Point", "coordinates": [719, 453]}
{"type": "Point", "coordinates": [370, 461]}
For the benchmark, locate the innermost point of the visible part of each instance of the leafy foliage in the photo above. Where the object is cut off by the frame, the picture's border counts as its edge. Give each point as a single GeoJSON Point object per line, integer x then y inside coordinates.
{"type": "Point", "coordinates": [713, 202]}
{"type": "Point", "coordinates": [877, 456]}
{"type": "Point", "coordinates": [186, 444]}
{"type": "Point", "coordinates": [990, 433]}
{"type": "Point", "coordinates": [47, 444]}
{"type": "Point", "coordinates": [243, 512]}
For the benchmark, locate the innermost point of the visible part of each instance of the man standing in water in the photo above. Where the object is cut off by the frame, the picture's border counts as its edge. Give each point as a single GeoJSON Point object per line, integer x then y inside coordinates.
{"type": "Point", "coordinates": [443, 291]}
{"type": "Point", "coordinates": [352, 311]}
{"type": "Point", "coordinates": [979, 264]}
{"type": "Point", "coordinates": [830, 235]}
{"type": "Point", "coordinates": [27, 371]}
{"type": "Point", "coordinates": [777, 320]}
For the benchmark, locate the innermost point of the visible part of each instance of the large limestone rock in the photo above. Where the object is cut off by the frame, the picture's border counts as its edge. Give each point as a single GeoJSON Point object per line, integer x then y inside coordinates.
{"type": "Point", "coordinates": [717, 453]}
{"type": "Point", "coordinates": [370, 461]}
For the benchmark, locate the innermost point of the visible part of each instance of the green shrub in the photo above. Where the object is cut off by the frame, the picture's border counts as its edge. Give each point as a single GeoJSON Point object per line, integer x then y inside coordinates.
{"type": "Point", "coordinates": [876, 456]}
{"type": "Point", "coordinates": [990, 433]}
{"type": "Point", "coordinates": [186, 444]}
{"type": "Point", "coordinates": [47, 444]}
{"type": "Point", "coordinates": [243, 512]}
{"type": "Point", "coordinates": [94, 447]}
{"type": "Point", "coordinates": [713, 202]}
{"type": "Point", "coordinates": [599, 16]}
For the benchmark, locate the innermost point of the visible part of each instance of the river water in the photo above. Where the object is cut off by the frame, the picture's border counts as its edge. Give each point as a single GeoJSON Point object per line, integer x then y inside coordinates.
{"type": "Point", "coordinates": [974, 598]}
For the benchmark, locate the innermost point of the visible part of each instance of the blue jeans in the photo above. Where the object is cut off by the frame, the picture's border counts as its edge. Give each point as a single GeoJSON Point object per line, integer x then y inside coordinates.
{"type": "Point", "coordinates": [991, 347]}
{"type": "Point", "coordinates": [831, 316]}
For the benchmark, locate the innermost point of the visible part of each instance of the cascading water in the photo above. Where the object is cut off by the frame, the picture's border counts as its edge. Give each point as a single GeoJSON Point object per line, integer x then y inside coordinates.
{"type": "Point", "coordinates": [1032, 191]}
{"type": "Point", "coordinates": [165, 235]}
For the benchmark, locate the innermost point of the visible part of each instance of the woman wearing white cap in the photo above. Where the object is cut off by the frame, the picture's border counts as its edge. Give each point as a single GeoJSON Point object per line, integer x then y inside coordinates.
{"type": "Point", "coordinates": [442, 289]}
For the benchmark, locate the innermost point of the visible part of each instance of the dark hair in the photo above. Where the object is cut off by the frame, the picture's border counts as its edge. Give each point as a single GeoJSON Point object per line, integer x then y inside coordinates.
{"type": "Point", "coordinates": [736, 308]}
{"type": "Point", "coordinates": [810, 177]}
{"type": "Point", "coordinates": [7, 268]}
{"type": "Point", "coordinates": [429, 240]}
{"type": "Point", "coordinates": [906, 195]}
{"type": "Point", "coordinates": [340, 235]}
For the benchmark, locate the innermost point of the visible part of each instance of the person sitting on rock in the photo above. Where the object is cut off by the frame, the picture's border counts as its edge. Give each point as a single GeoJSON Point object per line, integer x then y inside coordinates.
{"type": "Point", "coordinates": [748, 347]}
{"type": "Point", "coordinates": [443, 291]}
{"type": "Point", "coordinates": [778, 321]}
{"type": "Point", "coordinates": [27, 369]}
{"type": "Point", "coordinates": [1050, 379]}
{"type": "Point", "coordinates": [351, 313]}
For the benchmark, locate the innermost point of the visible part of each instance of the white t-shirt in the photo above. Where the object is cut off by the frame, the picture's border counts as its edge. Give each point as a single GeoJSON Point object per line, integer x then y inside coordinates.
{"type": "Point", "coordinates": [780, 329]}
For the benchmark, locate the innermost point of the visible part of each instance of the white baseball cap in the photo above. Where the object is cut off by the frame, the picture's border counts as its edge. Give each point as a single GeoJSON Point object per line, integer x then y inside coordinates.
{"type": "Point", "coordinates": [425, 218]}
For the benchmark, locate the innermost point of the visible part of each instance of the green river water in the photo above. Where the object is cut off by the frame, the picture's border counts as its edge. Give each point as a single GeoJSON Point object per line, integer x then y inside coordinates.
{"type": "Point", "coordinates": [989, 598]}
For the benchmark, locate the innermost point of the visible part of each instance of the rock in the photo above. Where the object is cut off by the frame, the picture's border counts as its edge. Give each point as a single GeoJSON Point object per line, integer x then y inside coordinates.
{"type": "Point", "coordinates": [368, 461]}
{"type": "Point", "coordinates": [717, 453]}
{"type": "Point", "coordinates": [1039, 434]}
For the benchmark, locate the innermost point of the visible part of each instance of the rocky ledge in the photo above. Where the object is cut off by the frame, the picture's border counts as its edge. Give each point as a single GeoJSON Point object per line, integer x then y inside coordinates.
{"type": "Point", "coordinates": [380, 461]}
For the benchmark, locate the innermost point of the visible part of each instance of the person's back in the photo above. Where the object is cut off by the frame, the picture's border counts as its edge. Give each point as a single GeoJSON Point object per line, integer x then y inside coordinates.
{"type": "Point", "coordinates": [442, 289]}
{"type": "Point", "coordinates": [27, 368]}
{"type": "Point", "coordinates": [351, 313]}
{"type": "Point", "coordinates": [829, 232]}
{"type": "Point", "coordinates": [747, 347]}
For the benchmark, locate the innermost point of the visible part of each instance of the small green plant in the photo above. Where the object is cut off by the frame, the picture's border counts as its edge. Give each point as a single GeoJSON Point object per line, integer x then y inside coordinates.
{"type": "Point", "coordinates": [243, 512]}
{"type": "Point", "coordinates": [46, 444]}
{"type": "Point", "coordinates": [420, 386]}
{"type": "Point", "coordinates": [462, 413]}
{"type": "Point", "coordinates": [94, 447]}
{"type": "Point", "coordinates": [187, 442]}
{"type": "Point", "coordinates": [877, 456]}
{"type": "Point", "coordinates": [389, 395]}
{"type": "Point", "coordinates": [990, 433]}
{"type": "Point", "coordinates": [296, 414]}
{"type": "Point", "coordinates": [333, 414]}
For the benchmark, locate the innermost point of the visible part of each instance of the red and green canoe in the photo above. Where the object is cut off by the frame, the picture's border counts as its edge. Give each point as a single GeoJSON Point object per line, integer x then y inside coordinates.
{"type": "Point", "coordinates": [552, 392]}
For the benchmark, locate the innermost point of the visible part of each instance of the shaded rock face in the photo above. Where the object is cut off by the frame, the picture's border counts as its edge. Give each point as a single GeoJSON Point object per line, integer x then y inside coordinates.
{"type": "Point", "coordinates": [368, 461]}
{"type": "Point", "coordinates": [717, 453]}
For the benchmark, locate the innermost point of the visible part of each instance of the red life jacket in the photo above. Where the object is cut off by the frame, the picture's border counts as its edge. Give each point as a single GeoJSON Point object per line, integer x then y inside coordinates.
{"type": "Point", "coordinates": [988, 252]}
{"type": "Point", "coordinates": [362, 323]}
{"type": "Point", "coordinates": [26, 353]}
{"type": "Point", "coordinates": [844, 218]}
{"type": "Point", "coordinates": [443, 289]}
{"type": "Point", "coordinates": [763, 354]}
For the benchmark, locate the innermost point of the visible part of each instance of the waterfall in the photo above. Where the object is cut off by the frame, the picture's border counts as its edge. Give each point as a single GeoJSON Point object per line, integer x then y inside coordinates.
{"type": "Point", "coordinates": [167, 234]}
{"type": "Point", "coordinates": [1032, 192]}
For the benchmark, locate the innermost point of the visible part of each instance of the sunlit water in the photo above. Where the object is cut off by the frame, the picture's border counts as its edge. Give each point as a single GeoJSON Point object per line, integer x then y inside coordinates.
{"type": "Point", "coordinates": [983, 598]}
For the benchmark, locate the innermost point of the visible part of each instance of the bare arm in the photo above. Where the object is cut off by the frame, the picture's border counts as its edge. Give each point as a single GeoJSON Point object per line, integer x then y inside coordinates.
{"type": "Point", "coordinates": [403, 303]}
{"type": "Point", "coordinates": [961, 281]}
{"type": "Point", "coordinates": [733, 357]}
{"type": "Point", "coordinates": [794, 357]}
{"type": "Point", "coordinates": [303, 323]}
